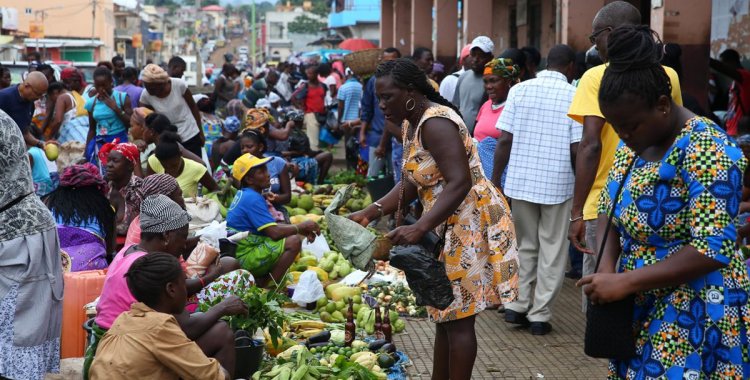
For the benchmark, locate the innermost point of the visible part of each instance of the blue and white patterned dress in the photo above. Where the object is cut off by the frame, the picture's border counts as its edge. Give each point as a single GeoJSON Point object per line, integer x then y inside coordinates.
{"type": "Point", "coordinates": [691, 197]}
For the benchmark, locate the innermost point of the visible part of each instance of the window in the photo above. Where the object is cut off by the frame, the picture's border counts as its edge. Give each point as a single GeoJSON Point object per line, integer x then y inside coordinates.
{"type": "Point", "coordinates": [513, 27]}
{"type": "Point", "coordinates": [535, 24]}
{"type": "Point", "coordinates": [276, 31]}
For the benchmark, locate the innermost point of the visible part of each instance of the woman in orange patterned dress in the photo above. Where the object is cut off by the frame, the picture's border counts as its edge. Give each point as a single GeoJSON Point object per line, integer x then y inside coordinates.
{"type": "Point", "coordinates": [443, 171]}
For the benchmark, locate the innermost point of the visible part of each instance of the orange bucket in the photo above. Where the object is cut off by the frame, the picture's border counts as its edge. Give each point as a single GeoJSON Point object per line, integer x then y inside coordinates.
{"type": "Point", "coordinates": [80, 289]}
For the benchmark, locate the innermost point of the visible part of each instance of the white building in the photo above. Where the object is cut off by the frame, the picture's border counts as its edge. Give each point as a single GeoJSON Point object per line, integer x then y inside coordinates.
{"type": "Point", "coordinates": [280, 43]}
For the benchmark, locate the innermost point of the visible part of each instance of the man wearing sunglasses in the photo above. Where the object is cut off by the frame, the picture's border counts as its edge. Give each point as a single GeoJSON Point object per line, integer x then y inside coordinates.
{"type": "Point", "coordinates": [599, 141]}
{"type": "Point", "coordinates": [18, 102]}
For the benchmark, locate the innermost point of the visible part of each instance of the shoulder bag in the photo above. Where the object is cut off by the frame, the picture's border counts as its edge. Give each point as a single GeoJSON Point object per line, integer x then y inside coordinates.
{"type": "Point", "coordinates": [609, 326]}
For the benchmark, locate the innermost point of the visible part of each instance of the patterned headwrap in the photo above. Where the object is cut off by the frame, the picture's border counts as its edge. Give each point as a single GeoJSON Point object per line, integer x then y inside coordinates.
{"type": "Point", "coordinates": [161, 214]}
{"type": "Point", "coordinates": [128, 150]}
{"type": "Point", "coordinates": [154, 74]}
{"type": "Point", "coordinates": [232, 124]}
{"type": "Point", "coordinates": [82, 176]}
{"type": "Point", "coordinates": [504, 68]}
{"type": "Point", "coordinates": [152, 185]}
{"type": "Point", "coordinates": [139, 115]}
{"type": "Point", "coordinates": [257, 118]}
{"type": "Point", "coordinates": [68, 73]}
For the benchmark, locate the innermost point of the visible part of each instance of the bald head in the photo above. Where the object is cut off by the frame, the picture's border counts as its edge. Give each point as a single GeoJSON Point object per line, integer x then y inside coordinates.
{"type": "Point", "coordinates": [34, 86]}
{"type": "Point", "coordinates": [611, 16]}
{"type": "Point", "coordinates": [617, 13]}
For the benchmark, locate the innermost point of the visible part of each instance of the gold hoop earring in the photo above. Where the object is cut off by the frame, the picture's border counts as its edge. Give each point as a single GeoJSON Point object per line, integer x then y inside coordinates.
{"type": "Point", "coordinates": [413, 104]}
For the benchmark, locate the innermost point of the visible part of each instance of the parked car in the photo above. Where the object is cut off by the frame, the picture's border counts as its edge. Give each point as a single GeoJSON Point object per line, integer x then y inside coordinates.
{"type": "Point", "coordinates": [19, 68]}
{"type": "Point", "coordinates": [243, 50]}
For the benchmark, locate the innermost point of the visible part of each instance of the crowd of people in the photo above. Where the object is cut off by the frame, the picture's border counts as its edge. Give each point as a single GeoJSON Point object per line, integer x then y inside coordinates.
{"type": "Point", "coordinates": [521, 171]}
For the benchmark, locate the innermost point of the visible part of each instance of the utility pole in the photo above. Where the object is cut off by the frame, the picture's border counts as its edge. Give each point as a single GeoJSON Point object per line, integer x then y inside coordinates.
{"type": "Point", "coordinates": [93, 20]}
{"type": "Point", "coordinates": [253, 37]}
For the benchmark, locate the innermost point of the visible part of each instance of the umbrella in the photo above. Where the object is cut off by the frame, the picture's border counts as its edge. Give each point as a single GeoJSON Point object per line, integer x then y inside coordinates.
{"type": "Point", "coordinates": [355, 44]}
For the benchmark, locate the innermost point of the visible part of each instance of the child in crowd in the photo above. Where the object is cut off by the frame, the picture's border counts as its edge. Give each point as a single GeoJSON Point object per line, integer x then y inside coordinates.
{"type": "Point", "coordinates": [270, 248]}
{"type": "Point", "coordinates": [280, 192]}
{"type": "Point", "coordinates": [40, 172]}
{"type": "Point", "coordinates": [147, 341]}
{"type": "Point", "coordinates": [313, 166]}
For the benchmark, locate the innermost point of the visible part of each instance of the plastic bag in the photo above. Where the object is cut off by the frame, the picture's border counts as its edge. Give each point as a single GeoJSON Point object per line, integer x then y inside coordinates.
{"type": "Point", "coordinates": [202, 210]}
{"type": "Point", "coordinates": [202, 256]}
{"type": "Point", "coordinates": [212, 233]}
{"type": "Point", "coordinates": [308, 289]}
{"type": "Point", "coordinates": [425, 274]}
{"type": "Point", "coordinates": [356, 243]}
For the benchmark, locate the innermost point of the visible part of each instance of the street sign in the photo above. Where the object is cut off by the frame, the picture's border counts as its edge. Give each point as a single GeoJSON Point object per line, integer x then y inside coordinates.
{"type": "Point", "coordinates": [36, 29]}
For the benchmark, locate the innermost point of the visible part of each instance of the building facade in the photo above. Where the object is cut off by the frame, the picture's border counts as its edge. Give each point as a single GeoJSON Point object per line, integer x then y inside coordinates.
{"type": "Point", "coordinates": [356, 19]}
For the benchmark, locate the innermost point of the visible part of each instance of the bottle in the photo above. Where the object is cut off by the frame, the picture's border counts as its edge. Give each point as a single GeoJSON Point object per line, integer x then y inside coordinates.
{"type": "Point", "coordinates": [378, 325]}
{"type": "Point", "coordinates": [349, 328]}
{"type": "Point", "coordinates": [387, 329]}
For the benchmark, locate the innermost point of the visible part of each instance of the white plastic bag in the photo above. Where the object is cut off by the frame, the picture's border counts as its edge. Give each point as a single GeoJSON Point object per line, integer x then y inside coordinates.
{"type": "Point", "coordinates": [212, 233]}
{"type": "Point", "coordinates": [318, 247]}
{"type": "Point", "coordinates": [309, 289]}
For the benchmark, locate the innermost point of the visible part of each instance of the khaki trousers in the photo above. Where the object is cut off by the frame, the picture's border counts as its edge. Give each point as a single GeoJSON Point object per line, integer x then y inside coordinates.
{"type": "Point", "coordinates": [541, 231]}
{"type": "Point", "coordinates": [312, 128]}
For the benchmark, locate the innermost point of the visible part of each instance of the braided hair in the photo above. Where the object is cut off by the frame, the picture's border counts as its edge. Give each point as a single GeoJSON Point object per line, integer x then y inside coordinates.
{"type": "Point", "coordinates": [634, 53]}
{"type": "Point", "coordinates": [406, 73]}
{"type": "Point", "coordinates": [148, 276]}
{"type": "Point", "coordinates": [168, 146]}
{"type": "Point", "coordinates": [82, 204]}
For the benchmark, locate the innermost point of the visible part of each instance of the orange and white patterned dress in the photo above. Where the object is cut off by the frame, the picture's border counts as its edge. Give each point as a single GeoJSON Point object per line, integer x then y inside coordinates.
{"type": "Point", "coordinates": [480, 253]}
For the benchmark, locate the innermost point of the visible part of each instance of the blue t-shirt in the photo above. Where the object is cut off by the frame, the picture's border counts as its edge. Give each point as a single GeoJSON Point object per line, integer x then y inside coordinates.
{"type": "Point", "coordinates": [107, 121]}
{"type": "Point", "coordinates": [372, 114]}
{"type": "Point", "coordinates": [275, 166]}
{"type": "Point", "coordinates": [249, 212]}
{"type": "Point", "coordinates": [16, 107]}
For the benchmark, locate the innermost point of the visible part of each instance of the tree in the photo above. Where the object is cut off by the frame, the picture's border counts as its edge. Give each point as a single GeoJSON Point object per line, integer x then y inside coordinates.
{"type": "Point", "coordinates": [319, 7]}
{"type": "Point", "coordinates": [304, 24]}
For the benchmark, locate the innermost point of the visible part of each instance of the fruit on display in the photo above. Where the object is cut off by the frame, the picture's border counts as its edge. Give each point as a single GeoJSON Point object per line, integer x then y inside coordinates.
{"type": "Point", "coordinates": [399, 296]}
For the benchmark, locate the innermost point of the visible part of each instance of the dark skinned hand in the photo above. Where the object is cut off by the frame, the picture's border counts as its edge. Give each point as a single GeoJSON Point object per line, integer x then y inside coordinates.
{"type": "Point", "coordinates": [406, 235]}
{"type": "Point", "coordinates": [233, 305]}
{"type": "Point", "coordinates": [309, 230]}
{"type": "Point", "coordinates": [109, 102]}
{"type": "Point", "coordinates": [360, 217]}
{"type": "Point", "coordinates": [212, 272]}
{"type": "Point", "coordinates": [576, 235]}
{"type": "Point", "coordinates": [603, 288]}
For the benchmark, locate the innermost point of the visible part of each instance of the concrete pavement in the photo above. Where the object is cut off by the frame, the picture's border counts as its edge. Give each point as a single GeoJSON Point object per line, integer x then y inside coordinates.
{"type": "Point", "coordinates": [508, 352]}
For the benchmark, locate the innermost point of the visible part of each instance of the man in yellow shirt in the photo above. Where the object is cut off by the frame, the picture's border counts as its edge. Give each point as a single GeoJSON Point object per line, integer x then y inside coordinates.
{"type": "Point", "coordinates": [596, 150]}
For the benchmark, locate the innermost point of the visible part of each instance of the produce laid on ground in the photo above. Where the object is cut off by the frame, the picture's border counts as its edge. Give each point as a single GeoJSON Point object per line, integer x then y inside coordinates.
{"type": "Point", "coordinates": [347, 333]}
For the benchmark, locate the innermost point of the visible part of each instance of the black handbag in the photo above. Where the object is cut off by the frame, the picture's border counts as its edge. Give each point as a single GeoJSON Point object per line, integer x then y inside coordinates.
{"type": "Point", "coordinates": [609, 326]}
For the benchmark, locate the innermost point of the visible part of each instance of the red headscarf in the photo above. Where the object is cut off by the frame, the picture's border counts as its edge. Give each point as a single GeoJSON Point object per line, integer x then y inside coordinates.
{"type": "Point", "coordinates": [82, 176]}
{"type": "Point", "coordinates": [128, 150]}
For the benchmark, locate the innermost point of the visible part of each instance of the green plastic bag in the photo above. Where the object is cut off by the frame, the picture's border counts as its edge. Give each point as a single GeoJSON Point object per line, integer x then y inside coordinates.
{"type": "Point", "coordinates": [355, 242]}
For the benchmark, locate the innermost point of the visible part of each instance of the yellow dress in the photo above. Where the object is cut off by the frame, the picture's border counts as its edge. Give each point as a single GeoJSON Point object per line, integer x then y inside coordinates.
{"type": "Point", "coordinates": [480, 253]}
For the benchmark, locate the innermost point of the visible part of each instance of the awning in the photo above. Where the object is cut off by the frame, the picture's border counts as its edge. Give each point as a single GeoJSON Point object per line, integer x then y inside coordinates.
{"type": "Point", "coordinates": [60, 43]}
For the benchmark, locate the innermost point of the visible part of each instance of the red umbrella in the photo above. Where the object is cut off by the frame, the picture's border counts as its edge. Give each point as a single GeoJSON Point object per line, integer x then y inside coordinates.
{"type": "Point", "coordinates": [355, 44]}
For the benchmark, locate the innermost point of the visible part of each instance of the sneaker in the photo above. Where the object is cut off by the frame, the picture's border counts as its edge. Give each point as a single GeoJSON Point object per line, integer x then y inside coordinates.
{"type": "Point", "coordinates": [516, 318]}
{"type": "Point", "coordinates": [540, 328]}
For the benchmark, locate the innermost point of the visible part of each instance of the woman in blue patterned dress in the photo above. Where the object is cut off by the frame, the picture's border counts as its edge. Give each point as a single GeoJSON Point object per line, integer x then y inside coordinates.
{"type": "Point", "coordinates": [675, 221]}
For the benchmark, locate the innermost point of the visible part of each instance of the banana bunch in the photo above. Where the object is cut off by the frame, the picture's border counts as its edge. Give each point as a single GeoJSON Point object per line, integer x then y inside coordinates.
{"type": "Point", "coordinates": [322, 200]}
{"type": "Point", "coordinates": [307, 328]}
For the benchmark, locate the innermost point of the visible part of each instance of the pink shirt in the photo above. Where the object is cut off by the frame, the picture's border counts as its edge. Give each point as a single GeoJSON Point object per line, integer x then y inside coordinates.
{"type": "Point", "coordinates": [486, 121]}
{"type": "Point", "coordinates": [116, 297]}
{"type": "Point", "coordinates": [134, 232]}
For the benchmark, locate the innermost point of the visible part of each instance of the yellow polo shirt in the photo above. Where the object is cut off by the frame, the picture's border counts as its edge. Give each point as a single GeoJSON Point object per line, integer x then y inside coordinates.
{"type": "Point", "coordinates": [586, 103]}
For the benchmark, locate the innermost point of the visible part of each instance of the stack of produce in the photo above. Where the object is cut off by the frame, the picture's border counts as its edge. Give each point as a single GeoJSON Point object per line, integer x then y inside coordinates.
{"type": "Point", "coordinates": [299, 363]}
{"type": "Point", "coordinates": [331, 267]}
{"type": "Point", "coordinates": [399, 295]}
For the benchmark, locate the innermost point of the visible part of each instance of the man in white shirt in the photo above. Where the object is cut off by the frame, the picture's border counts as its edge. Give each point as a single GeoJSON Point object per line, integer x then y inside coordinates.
{"type": "Point", "coordinates": [470, 94]}
{"type": "Point", "coordinates": [448, 85]}
{"type": "Point", "coordinates": [538, 145]}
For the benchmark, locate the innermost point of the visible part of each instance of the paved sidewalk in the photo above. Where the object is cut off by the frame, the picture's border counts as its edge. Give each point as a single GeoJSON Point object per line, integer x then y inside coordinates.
{"type": "Point", "coordinates": [507, 352]}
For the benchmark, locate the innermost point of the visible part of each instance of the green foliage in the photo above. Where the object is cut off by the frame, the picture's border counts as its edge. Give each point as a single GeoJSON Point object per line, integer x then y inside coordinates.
{"type": "Point", "coordinates": [319, 7]}
{"type": "Point", "coordinates": [304, 24]}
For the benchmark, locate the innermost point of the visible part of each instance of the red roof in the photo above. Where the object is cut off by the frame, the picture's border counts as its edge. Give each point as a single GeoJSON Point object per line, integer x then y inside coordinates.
{"type": "Point", "coordinates": [213, 8]}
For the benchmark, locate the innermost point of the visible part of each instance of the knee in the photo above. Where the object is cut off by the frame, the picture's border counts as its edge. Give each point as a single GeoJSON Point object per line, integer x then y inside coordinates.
{"type": "Point", "coordinates": [293, 243]}
{"type": "Point", "coordinates": [221, 332]}
{"type": "Point", "coordinates": [229, 264]}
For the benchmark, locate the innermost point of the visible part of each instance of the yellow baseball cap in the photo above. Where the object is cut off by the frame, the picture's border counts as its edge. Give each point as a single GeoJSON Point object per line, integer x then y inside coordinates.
{"type": "Point", "coordinates": [246, 162]}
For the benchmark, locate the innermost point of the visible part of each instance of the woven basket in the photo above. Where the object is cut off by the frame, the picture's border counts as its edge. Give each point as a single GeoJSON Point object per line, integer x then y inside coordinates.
{"type": "Point", "coordinates": [363, 62]}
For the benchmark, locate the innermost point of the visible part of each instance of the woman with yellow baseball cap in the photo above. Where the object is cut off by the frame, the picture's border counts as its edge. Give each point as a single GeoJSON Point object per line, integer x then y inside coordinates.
{"type": "Point", "coordinates": [270, 248]}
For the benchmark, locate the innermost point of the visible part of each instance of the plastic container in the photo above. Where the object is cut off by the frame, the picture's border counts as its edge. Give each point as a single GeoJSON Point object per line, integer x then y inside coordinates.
{"type": "Point", "coordinates": [80, 289]}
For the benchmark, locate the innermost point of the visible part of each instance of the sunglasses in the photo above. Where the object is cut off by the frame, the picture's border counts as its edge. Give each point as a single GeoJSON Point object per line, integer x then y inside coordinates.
{"type": "Point", "coordinates": [596, 34]}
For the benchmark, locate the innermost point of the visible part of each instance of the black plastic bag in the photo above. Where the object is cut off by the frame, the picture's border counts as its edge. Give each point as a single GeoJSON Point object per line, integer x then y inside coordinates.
{"type": "Point", "coordinates": [425, 274]}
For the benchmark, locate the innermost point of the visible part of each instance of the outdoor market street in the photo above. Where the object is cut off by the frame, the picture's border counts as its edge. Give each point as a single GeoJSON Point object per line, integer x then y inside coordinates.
{"type": "Point", "coordinates": [507, 352]}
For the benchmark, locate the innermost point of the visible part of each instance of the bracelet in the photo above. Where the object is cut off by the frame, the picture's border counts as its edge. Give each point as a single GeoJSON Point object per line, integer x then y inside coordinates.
{"type": "Point", "coordinates": [380, 208]}
{"type": "Point", "coordinates": [203, 283]}
{"type": "Point", "coordinates": [296, 229]}
{"type": "Point", "coordinates": [575, 219]}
